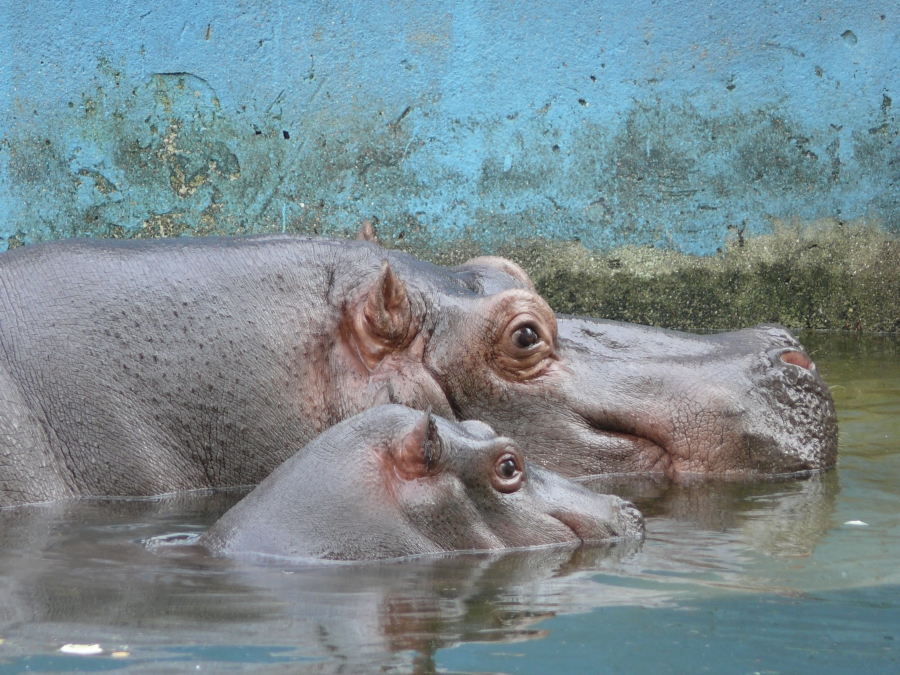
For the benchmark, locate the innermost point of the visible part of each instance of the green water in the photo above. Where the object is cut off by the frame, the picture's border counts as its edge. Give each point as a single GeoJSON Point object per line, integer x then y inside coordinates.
{"type": "Point", "coordinates": [759, 578]}
{"type": "Point", "coordinates": [737, 577]}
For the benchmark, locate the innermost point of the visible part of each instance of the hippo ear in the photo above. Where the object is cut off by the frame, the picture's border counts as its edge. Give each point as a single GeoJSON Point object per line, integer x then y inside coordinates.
{"type": "Point", "coordinates": [387, 310]}
{"type": "Point", "coordinates": [367, 232]}
{"type": "Point", "coordinates": [416, 455]}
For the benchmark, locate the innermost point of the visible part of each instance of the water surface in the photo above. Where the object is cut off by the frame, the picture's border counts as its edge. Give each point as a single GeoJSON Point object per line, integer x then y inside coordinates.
{"type": "Point", "coordinates": [735, 577]}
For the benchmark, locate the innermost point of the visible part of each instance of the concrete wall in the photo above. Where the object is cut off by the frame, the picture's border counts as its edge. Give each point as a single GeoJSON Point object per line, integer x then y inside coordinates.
{"type": "Point", "coordinates": [672, 124]}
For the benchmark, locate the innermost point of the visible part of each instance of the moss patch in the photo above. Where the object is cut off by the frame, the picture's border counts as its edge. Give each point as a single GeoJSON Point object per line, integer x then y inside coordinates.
{"type": "Point", "coordinates": [826, 275]}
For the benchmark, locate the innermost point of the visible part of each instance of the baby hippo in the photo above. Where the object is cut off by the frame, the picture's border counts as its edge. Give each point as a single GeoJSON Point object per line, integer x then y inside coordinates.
{"type": "Point", "coordinates": [393, 482]}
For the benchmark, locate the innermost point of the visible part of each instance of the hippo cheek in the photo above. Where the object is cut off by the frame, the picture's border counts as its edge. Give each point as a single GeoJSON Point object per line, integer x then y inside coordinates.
{"type": "Point", "coordinates": [442, 511]}
{"type": "Point", "coordinates": [577, 437]}
{"type": "Point", "coordinates": [601, 443]}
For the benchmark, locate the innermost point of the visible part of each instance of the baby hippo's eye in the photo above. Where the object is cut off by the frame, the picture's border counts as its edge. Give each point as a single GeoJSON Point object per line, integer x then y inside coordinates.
{"type": "Point", "coordinates": [525, 337]}
{"type": "Point", "coordinates": [507, 468]}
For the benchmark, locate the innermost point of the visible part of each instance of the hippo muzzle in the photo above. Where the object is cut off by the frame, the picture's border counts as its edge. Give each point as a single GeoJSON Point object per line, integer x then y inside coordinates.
{"type": "Point", "coordinates": [589, 516]}
{"type": "Point", "coordinates": [650, 400]}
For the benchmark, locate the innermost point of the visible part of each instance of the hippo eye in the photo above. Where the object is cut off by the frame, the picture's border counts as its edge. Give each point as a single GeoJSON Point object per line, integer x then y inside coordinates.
{"type": "Point", "coordinates": [525, 337]}
{"type": "Point", "coordinates": [508, 474]}
{"type": "Point", "coordinates": [523, 349]}
{"type": "Point", "coordinates": [507, 468]}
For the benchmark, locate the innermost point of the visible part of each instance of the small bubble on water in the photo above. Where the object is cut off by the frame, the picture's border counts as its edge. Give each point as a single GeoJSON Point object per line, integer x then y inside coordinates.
{"type": "Point", "coordinates": [81, 650]}
{"type": "Point", "coordinates": [174, 539]}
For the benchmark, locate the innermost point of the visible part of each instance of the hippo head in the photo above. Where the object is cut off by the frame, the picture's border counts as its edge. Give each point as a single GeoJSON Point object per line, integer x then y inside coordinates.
{"type": "Point", "coordinates": [584, 396]}
{"type": "Point", "coordinates": [393, 482]}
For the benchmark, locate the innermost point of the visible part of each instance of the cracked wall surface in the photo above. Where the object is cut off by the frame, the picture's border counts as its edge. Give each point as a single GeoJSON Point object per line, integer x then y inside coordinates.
{"type": "Point", "coordinates": [603, 127]}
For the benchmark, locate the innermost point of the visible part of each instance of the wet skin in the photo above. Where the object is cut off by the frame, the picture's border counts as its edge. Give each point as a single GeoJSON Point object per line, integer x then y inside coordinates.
{"type": "Point", "coordinates": [145, 367]}
{"type": "Point", "coordinates": [394, 482]}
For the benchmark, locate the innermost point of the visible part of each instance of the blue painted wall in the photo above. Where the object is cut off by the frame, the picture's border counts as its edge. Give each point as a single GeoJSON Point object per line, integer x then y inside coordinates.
{"type": "Point", "coordinates": [645, 122]}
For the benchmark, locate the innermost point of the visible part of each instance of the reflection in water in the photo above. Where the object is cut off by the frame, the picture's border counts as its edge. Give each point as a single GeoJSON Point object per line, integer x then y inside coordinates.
{"type": "Point", "coordinates": [78, 572]}
{"type": "Point", "coordinates": [781, 517]}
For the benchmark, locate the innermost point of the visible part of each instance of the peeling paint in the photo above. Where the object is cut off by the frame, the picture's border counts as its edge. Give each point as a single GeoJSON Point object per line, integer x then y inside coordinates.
{"type": "Point", "coordinates": [591, 126]}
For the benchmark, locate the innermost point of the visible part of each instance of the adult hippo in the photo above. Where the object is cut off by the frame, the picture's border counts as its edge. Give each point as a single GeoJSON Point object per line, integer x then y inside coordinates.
{"type": "Point", "coordinates": [392, 482]}
{"type": "Point", "coordinates": [143, 367]}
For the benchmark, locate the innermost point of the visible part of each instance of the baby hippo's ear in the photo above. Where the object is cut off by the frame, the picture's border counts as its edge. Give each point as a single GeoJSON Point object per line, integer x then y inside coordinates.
{"type": "Point", "coordinates": [416, 454]}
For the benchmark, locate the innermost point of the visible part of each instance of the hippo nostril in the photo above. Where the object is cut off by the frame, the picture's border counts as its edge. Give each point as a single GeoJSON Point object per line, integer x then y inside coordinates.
{"type": "Point", "coordinates": [798, 359]}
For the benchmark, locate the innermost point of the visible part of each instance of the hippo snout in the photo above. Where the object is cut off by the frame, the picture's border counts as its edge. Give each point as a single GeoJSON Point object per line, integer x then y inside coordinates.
{"type": "Point", "coordinates": [631, 521]}
{"type": "Point", "coordinates": [588, 515]}
{"type": "Point", "coordinates": [648, 400]}
{"type": "Point", "coordinates": [608, 517]}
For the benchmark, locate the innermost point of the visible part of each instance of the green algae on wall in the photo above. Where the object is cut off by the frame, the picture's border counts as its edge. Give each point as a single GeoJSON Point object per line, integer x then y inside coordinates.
{"type": "Point", "coordinates": [833, 275]}
{"type": "Point", "coordinates": [825, 275]}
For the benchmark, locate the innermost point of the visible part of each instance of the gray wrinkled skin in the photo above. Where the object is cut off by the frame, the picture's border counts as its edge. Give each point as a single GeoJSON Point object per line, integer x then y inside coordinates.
{"type": "Point", "coordinates": [347, 496]}
{"type": "Point", "coordinates": [145, 367]}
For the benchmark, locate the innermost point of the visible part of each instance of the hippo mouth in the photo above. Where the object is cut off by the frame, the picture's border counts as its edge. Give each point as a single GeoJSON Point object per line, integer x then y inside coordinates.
{"type": "Point", "coordinates": [582, 530]}
{"type": "Point", "coordinates": [586, 529]}
{"type": "Point", "coordinates": [572, 527]}
{"type": "Point", "coordinates": [634, 448]}
{"type": "Point", "coordinates": [723, 445]}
